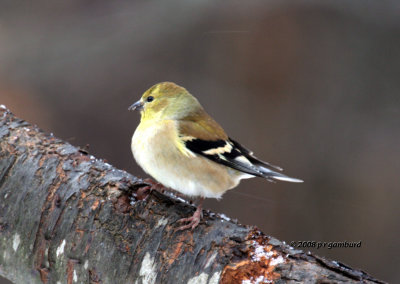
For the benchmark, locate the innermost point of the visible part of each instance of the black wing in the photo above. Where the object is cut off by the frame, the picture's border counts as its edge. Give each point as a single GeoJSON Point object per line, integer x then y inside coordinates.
{"type": "Point", "coordinates": [253, 159]}
{"type": "Point", "coordinates": [223, 152]}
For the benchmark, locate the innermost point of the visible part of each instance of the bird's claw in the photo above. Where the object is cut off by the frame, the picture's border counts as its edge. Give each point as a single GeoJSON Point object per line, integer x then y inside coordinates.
{"type": "Point", "coordinates": [155, 185]}
{"type": "Point", "coordinates": [143, 192]}
{"type": "Point", "coordinates": [146, 187]}
{"type": "Point", "coordinates": [193, 221]}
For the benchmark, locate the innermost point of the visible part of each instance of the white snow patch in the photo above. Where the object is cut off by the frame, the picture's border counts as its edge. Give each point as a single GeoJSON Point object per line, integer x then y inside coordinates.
{"type": "Point", "coordinates": [277, 260]}
{"type": "Point", "coordinates": [86, 264]}
{"type": "Point", "coordinates": [75, 277]}
{"type": "Point", "coordinates": [210, 260]}
{"type": "Point", "coordinates": [223, 216]}
{"type": "Point", "coordinates": [182, 200]}
{"type": "Point", "coordinates": [215, 278]}
{"type": "Point", "coordinates": [201, 279]}
{"type": "Point", "coordinates": [60, 249]}
{"type": "Point", "coordinates": [173, 196]}
{"type": "Point", "coordinates": [148, 270]}
{"type": "Point", "coordinates": [162, 222]}
{"type": "Point", "coordinates": [259, 279]}
{"type": "Point", "coordinates": [259, 252]}
{"type": "Point", "coordinates": [16, 242]}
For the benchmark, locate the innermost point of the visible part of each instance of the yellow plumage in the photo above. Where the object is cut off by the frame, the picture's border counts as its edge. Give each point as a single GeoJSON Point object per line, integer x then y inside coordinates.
{"type": "Point", "coordinates": [183, 148]}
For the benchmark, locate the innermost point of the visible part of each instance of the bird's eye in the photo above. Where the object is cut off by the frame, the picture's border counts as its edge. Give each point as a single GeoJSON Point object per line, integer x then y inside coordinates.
{"type": "Point", "coordinates": [150, 99]}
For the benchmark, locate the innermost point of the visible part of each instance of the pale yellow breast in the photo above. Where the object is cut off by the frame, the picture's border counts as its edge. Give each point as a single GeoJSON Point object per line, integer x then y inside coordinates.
{"type": "Point", "coordinates": [159, 153]}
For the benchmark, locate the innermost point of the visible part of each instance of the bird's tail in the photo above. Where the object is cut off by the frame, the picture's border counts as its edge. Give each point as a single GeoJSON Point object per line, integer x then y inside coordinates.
{"type": "Point", "coordinates": [272, 175]}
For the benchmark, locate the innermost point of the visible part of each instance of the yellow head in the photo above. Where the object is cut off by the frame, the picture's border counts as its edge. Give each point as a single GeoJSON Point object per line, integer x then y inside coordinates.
{"type": "Point", "coordinates": [166, 101]}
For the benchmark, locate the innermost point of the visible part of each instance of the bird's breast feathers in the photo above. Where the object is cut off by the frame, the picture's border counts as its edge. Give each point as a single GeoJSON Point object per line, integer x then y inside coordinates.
{"type": "Point", "coordinates": [164, 155]}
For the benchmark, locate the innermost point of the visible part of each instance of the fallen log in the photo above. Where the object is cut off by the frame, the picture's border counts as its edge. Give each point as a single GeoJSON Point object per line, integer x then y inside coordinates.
{"type": "Point", "coordinates": [68, 217]}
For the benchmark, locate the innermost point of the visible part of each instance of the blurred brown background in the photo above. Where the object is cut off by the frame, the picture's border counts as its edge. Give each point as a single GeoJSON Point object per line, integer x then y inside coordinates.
{"type": "Point", "coordinates": [312, 86]}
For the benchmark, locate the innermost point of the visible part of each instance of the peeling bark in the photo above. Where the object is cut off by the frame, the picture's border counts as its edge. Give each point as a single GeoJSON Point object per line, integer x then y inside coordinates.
{"type": "Point", "coordinates": [66, 216]}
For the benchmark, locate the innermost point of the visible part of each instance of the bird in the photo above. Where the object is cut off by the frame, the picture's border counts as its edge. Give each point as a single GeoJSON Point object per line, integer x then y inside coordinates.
{"type": "Point", "coordinates": [183, 148]}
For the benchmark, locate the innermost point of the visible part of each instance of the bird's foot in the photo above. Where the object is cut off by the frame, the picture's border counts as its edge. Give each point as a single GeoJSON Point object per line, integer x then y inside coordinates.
{"type": "Point", "coordinates": [193, 221]}
{"type": "Point", "coordinates": [143, 192]}
{"type": "Point", "coordinates": [155, 185]}
{"type": "Point", "coordinates": [148, 185]}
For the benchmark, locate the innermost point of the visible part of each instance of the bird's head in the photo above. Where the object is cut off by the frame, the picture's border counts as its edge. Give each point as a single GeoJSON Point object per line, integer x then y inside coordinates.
{"type": "Point", "coordinates": [166, 101]}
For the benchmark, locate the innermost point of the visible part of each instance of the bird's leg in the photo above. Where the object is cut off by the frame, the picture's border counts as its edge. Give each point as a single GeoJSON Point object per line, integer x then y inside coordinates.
{"type": "Point", "coordinates": [155, 185]}
{"type": "Point", "coordinates": [194, 220]}
{"type": "Point", "coordinates": [144, 191]}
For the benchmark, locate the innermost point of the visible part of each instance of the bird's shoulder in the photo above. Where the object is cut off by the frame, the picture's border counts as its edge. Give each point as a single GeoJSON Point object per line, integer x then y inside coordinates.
{"type": "Point", "coordinates": [201, 126]}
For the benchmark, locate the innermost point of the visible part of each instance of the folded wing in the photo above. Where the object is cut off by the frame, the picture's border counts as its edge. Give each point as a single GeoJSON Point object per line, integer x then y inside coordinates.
{"type": "Point", "coordinates": [230, 153]}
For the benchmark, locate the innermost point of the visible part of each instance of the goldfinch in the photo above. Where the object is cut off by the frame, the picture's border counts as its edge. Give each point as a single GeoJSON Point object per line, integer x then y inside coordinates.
{"type": "Point", "coordinates": [183, 148]}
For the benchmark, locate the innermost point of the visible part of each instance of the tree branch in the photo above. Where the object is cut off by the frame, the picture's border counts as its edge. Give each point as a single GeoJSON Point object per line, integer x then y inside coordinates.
{"type": "Point", "coordinates": [66, 216]}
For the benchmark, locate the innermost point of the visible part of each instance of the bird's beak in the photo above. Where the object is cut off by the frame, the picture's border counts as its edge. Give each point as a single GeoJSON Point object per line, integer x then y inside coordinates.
{"type": "Point", "coordinates": [136, 106]}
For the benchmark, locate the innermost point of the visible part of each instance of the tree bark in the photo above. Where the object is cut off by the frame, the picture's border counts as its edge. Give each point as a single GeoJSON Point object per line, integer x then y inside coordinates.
{"type": "Point", "coordinates": [67, 217]}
